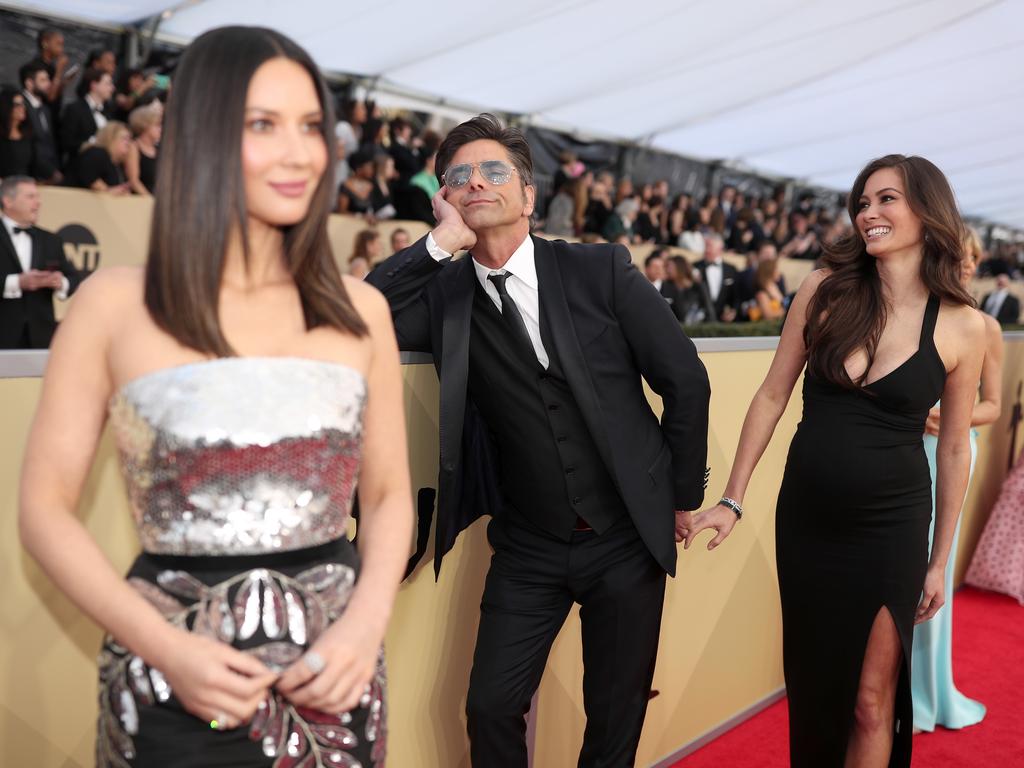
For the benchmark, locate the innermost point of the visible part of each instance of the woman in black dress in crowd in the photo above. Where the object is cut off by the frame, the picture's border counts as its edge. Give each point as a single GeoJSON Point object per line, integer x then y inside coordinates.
{"type": "Point", "coordinates": [100, 165]}
{"type": "Point", "coordinates": [692, 304]}
{"type": "Point", "coordinates": [15, 135]}
{"type": "Point", "coordinates": [885, 330]}
{"type": "Point", "coordinates": [140, 164]}
{"type": "Point", "coordinates": [382, 201]}
{"type": "Point", "coordinates": [355, 195]}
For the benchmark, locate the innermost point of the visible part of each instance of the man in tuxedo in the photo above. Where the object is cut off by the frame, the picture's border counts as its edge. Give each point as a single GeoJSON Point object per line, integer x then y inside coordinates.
{"type": "Point", "coordinates": [1000, 303]}
{"type": "Point", "coordinates": [35, 84]}
{"type": "Point", "coordinates": [33, 268]}
{"type": "Point", "coordinates": [540, 347]}
{"type": "Point", "coordinates": [81, 119]}
{"type": "Point", "coordinates": [654, 271]}
{"type": "Point", "coordinates": [720, 278]}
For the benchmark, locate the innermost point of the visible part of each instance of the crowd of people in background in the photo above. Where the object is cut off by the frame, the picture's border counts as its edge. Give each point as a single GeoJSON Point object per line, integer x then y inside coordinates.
{"type": "Point", "coordinates": [105, 136]}
{"type": "Point", "coordinates": [93, 126]}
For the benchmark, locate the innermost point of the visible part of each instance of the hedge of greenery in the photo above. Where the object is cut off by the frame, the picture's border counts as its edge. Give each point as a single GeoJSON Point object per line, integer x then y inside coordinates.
{"type": "Point", "coordinates": [732, 330]}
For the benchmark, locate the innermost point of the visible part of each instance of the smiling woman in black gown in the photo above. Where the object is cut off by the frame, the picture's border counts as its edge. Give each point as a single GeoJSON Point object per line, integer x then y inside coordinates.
{"type": "Point", "coordinates": [885, 330]}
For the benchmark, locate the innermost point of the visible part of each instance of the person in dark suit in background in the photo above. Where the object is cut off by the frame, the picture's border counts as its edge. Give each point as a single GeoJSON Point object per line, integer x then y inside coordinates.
{"type": "Point", "coordinates": [656, 273]}
{"type": "Point", "coordinates": [35, 85]}
{"type": "Point", "coordinates": [1000, 303]}
{"type": "Point", "coordinates": [540, 348]}
{"type": "Point", "coordinates": [81, 119]}
{"type": "Point", "coordinates": [720, 278]}
{"type": "Point", "coordinates": [50, 44]}
{"type": "Point", "coordinates": [33, 268]}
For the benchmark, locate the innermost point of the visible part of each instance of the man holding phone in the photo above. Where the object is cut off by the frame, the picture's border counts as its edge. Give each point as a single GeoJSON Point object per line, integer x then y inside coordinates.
{"type": "Point", "coordinates": [33, 268]}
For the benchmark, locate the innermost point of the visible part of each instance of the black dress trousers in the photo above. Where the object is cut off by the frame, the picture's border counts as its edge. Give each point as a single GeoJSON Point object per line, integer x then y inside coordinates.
{"type": "Point", "coordinates": [533, 582]}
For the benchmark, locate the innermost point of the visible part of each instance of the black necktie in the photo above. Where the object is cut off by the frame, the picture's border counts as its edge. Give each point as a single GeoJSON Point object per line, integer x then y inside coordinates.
{"type": "Point", "coordinates": [510, 312]}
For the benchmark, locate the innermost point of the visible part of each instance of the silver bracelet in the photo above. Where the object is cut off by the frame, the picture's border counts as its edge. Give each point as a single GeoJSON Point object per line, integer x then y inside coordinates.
{"type": "Point", "coordinates": [733, 505]}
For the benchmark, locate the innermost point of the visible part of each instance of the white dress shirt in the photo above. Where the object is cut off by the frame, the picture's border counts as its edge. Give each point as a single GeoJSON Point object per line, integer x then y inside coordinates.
{"type": "Point", "coordinates": [97, 112]}
{"type": "Point", "coordinates": [995, 302]}
{"type": "Point", "coordinates": [23, 247]}
{"type": "Point", "coordinates": [713, 270]}
{"type": "Point", "coordinates": [37, 105]}
{"type": "Point", "coordinates": [522, 287]}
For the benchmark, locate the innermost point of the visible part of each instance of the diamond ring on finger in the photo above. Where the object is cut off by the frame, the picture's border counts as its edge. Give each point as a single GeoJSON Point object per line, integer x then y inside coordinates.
{"type": "Point", "coordinates": [314, 662]}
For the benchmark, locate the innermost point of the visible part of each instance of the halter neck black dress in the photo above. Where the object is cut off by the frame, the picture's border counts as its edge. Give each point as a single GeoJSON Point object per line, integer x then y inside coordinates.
{"type": "Point", "coordinates": [851, 539]}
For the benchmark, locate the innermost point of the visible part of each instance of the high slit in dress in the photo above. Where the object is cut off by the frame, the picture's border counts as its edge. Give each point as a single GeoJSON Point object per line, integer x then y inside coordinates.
{"type": "Point", "coordinates": [852, 540]}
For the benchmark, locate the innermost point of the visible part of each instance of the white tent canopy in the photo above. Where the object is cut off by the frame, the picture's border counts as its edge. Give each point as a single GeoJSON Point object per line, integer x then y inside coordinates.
{"type": "Point", "coordinates": [798, 88]}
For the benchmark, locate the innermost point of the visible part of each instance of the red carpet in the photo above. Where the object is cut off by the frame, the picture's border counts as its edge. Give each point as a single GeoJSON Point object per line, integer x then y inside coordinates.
{"type": "Point", "coordinates": [988, 661]}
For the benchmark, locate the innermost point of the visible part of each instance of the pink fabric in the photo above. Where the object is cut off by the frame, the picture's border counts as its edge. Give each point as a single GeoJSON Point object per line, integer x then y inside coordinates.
{"type": "Point", "coordinates": [998, 562]}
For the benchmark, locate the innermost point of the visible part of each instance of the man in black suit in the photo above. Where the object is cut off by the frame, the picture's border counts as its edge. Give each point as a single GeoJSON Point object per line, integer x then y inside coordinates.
{"type": "Point", "coordinates": [540, 348]}
{"type": "Point", "coordinates": [654, 271]}
{"type": "Point", "coordinates": [720, 278]}
{"type": "Point", "coordinates": [1000, 303]}
{"type": "Point", "coordinates": [33, 268]}
{"type": "Point", "coordinates": [35, 84]}
{"type": "Point", "coordinates": [81, 119]}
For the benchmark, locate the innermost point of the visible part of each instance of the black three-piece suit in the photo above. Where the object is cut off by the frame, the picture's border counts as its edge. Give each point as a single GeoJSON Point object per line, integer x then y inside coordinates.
{"type": "Point", "coordinates": [574, 467]}
{"type": "Point", "coordinates": [28, 322]}
{"type": "Point", "coordinates": [77, 126]}
{"type": "Point", "coordinates": [45, 157]}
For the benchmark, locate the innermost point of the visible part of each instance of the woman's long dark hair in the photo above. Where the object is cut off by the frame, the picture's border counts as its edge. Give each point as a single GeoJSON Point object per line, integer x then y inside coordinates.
{"type": "Point", "coordinates": [7, 96]}
{"type": "Point", "coordinates": [200, 199]}
{"type": "Point", "coordinates": [848, 311]}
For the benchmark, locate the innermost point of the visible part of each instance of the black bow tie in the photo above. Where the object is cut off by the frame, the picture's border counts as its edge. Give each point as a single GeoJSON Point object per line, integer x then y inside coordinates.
{"type": "Point", "coordinates": [18, 230]}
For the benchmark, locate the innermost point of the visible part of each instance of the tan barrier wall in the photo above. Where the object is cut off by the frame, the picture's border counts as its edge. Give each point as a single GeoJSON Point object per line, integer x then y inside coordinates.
{"type": "Point", "coordinates": [119, 227]}
{"type": "Point", "coordinates": [721, 637]}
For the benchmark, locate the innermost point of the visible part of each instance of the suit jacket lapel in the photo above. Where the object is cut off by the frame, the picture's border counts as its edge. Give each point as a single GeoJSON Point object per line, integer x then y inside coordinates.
{"type": "Point", "coordinates": [455, 330]}
{"type": "Point", "coordinates": [37, 250]}
{"type": "Point", "coordinates": [563, 333]}
{"type": "Point", "coordinates": [7, 248]}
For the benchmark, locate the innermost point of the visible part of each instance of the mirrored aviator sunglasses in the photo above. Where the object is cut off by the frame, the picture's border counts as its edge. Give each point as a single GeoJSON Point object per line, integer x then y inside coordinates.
{"type": "Point", "coordinates": [494, 172]}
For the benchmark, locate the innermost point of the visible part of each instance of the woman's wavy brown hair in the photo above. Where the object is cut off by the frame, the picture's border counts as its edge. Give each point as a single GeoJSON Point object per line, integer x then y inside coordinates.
{"type": "Point", "coordinates": [199, 197]}
{"type": "Point", "coordinates": [848, 311]}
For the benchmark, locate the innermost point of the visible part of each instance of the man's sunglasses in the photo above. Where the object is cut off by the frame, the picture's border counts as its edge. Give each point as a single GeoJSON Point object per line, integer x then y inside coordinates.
{"type": "Point", "coordinates": [494, 172]}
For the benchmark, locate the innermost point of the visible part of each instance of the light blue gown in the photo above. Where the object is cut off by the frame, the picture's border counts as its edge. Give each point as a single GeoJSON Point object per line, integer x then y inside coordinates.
{"type": "Point", "coordinates": [936, 699]}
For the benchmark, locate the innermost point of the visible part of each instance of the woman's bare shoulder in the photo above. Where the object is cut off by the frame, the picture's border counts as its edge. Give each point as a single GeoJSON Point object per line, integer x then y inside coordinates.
{"type": "Point", "coordinates": [810, 283]}
{"type": "Point", "coordinates": [110, 292]}
{"type": "Point", "coordinates": [367, 301]}
{"type": "Point", "coordinates": [965, 322]}
{"type": "Point", "coordinates": [992, 326]}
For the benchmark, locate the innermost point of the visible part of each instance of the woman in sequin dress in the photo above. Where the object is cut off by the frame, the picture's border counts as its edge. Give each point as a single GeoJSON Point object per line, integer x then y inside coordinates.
{"type": "Point", "coordinates": [249, 387]}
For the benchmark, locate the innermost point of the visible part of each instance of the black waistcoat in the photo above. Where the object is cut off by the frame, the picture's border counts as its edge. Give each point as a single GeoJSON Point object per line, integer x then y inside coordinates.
{"type": "Point", "coordinates": [549, 467]}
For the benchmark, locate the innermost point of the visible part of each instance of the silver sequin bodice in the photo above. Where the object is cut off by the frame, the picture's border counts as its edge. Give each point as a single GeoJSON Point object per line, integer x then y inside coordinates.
{"type": "Point", "coordinates": [240, 456]}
